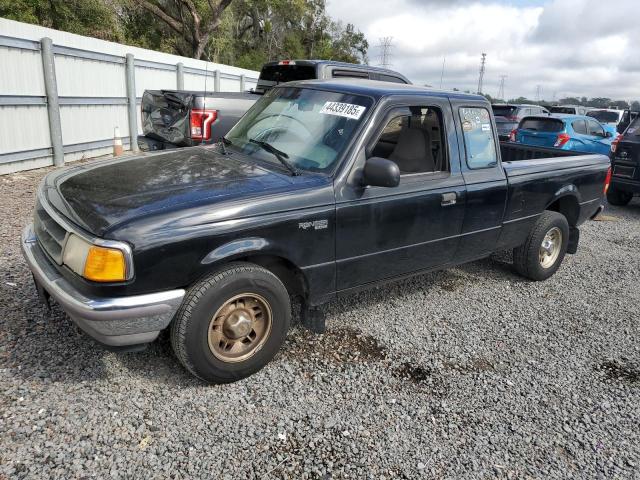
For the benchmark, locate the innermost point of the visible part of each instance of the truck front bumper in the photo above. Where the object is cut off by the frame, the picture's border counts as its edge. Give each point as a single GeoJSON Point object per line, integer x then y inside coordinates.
{"type": "Point", "coordinates": [116, 321]}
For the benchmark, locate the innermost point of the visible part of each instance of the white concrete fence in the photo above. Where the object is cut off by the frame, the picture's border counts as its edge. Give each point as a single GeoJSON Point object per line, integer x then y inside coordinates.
{"type": "Point", "coordinates": [62, 95]}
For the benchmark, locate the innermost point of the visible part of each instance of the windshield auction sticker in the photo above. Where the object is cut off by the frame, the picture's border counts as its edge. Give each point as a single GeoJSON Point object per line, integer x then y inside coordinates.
{"type": "Point", "coordinates": [347, 110]}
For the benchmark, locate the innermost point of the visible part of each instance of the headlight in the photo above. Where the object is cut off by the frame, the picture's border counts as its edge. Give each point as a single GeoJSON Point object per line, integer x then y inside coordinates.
{"type": "Point", "coordinates": [93, 262]}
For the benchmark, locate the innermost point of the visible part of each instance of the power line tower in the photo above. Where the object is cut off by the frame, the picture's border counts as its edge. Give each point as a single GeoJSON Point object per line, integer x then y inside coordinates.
{"type": "Point", "coordinates": [386, 44]}
{"type": "Point", "coordinates": [538, 93]}
{"type": "Point", "coordinates": [481, 77]}
{"type": "Point", "coordinates": [501, 89]}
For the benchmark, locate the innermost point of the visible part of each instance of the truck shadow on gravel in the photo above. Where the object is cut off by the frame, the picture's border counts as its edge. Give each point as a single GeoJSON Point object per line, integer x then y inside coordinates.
{"type": "Point", "coordinates": [45, 346]}
{"type": "Point", "coordinates": [619, 371]}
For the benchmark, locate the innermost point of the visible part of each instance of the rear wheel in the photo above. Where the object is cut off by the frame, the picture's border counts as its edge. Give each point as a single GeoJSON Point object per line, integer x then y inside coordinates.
{"type": "Point", "coordinates": [543, 251]}
{"type": "Point", "coordinates": [231, 323]}
{"type": "Point", "coordinates": [618, 197]}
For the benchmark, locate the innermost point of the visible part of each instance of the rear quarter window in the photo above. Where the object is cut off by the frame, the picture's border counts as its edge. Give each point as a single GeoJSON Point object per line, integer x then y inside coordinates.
{"type": "Point", "coordinates": [479, 142]}
{"type": "Point", "coordinates": [541, 124]}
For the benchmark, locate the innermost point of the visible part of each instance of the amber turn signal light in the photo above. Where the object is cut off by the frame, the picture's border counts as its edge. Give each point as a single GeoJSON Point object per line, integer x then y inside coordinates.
{"type": "Point", "coordinates": [105, 265]}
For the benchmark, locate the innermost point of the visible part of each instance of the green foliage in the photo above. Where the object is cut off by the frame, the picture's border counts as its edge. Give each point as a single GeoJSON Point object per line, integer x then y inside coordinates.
{"type": "Point", "coordinates": [247, 33]}
{"type": "Point", "coordinates": [93, 18]}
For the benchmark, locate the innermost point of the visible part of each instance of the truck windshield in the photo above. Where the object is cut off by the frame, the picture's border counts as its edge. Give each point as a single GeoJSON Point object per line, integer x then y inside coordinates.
{"type": "Point", "coordinates": [311, 127]}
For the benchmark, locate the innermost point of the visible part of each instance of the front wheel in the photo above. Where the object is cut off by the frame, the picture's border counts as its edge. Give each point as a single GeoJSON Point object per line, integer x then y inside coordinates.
{"type": "Point", "coordinates": [542, 253]}
{"type": "Point", "coordinates": [231, 323]}
{"type": "Point", "coordinates": [618, 198]}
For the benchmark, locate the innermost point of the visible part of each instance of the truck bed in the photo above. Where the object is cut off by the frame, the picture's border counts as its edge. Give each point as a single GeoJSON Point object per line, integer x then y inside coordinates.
{"type": "Point", "coordinates": [519, 159]}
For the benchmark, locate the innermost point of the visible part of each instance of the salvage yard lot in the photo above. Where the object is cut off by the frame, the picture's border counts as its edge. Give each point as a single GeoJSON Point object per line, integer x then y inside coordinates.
{"type": "Point", "coordinates": [471, 372]}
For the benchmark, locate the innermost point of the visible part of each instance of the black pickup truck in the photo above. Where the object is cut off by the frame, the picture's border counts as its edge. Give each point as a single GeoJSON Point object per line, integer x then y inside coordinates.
{"type": "Point", "coordinates": [322, 189]}
{"type": "Point", "coordinates": [180, 118]}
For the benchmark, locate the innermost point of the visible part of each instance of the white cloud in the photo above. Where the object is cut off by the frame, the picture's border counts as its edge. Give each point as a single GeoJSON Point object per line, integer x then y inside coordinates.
{"type": "Point", "coordinates": [568, 47]}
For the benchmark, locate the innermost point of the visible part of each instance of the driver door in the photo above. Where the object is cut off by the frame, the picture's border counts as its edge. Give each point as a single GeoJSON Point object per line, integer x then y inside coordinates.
{"type": "Point", "coordinates": [384, 232]}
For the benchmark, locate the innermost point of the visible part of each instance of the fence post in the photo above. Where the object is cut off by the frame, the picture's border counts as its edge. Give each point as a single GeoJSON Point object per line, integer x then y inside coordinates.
{"type": "Point", "coordinates": [242, 82]}
{"type": "Point", "coordinates": [216, 80]}
{"type": "Point", "coordinates": [180, 76]}
{"type": "Point", "coordinates": [53, 107]}
{"type": "Point", "coordinates": [131, 96]}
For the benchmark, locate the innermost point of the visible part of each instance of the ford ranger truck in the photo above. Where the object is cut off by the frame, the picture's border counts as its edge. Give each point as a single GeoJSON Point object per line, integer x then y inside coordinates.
{"type": "Point", "coordinates": [322, 189]}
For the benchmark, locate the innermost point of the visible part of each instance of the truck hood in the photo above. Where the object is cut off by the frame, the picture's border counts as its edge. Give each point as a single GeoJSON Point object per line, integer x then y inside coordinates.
{"type": "Point", "coordinates": [102, 196]}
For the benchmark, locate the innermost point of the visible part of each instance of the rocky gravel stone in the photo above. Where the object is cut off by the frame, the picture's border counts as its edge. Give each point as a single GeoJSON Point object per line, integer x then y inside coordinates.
{"type": "Point", "coordinates": [472, 372]}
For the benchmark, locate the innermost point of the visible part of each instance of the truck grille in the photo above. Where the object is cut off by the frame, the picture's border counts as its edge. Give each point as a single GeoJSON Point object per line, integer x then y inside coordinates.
{"type": "Point", "coordinates": [49, 233]}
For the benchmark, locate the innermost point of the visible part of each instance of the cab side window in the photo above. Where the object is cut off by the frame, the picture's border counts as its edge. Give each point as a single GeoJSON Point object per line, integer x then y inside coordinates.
{"type": "Point", "coordinates": [414, 142]}
{"type": "Point", "coordinates": [479, 141]}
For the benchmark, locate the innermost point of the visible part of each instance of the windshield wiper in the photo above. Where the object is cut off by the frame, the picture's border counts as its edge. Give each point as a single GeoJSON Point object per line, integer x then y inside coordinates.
{"type": "Point", "coordinates": [279, 154]}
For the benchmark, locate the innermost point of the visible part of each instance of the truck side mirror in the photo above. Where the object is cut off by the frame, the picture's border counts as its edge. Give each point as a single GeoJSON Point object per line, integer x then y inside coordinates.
{"type": "Point", "coordinates": [380, 172]}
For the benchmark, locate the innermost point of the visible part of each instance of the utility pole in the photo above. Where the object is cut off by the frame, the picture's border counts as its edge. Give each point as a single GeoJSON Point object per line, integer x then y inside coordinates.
{"type": "Point", "coordinates": [481, 77]}
{"type": "Point", "coordinates": [385, 51]}
{"type": "Point", "coordinates": [444, 59]}
{"type": "Point", "coordinates": [501, 89]}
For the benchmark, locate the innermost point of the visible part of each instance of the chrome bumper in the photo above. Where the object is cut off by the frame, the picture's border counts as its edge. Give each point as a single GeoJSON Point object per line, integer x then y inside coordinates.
{"type": "Point", "coordinates": [119, 321]}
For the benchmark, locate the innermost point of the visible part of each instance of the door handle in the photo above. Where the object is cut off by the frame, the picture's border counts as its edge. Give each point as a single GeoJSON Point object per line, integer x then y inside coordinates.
{"type": "Point", "coordinates": [449, 198]}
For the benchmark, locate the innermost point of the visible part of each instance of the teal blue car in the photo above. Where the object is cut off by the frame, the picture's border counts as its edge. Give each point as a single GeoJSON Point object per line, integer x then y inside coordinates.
{"type": "Point", "coordinates": [567, 132]}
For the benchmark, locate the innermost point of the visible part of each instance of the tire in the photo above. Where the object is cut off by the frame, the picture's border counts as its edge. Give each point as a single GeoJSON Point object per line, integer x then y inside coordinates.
{"type": "Point", "coordinates": [618, 198]}
{"type": "Point", "coordinates": [530, 259]}
{"type": "Point", "coordinates": [229, 307]}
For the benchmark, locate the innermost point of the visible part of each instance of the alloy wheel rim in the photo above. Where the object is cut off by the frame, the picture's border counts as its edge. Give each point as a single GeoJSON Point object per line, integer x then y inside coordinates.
{"type": "Point", "coordinates": [240, 327]}
{"type": "Point", "coordinates": [550, 248]}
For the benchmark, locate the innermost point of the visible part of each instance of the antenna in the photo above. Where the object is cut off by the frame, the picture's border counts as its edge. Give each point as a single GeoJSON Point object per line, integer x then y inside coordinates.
{"type": "Point", "coordinates": [444, 59]}
{"type": "Point", "coordinates": [501, 89]}
{"type": "Point", "coordinates": [386, 44]}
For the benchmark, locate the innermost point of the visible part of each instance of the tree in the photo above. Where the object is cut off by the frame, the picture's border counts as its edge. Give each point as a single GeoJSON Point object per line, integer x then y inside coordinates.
{"type": "Point", "coordinates": [195, 22]}
{"type": "Point", "coordinates": [93, 18]}
{"type": "Point", "coordinates": [245, 33]}
{"type": "Point", "coordinates": [635, 106]}
{"type": "Point", "coordinates": [619, 104]}
{"type": "Point", "coordinates": [570, 101]}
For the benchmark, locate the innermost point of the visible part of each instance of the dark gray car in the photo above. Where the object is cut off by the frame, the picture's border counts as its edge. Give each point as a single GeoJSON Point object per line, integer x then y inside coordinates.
{"type": "Point", "coordinates": [509, 115]}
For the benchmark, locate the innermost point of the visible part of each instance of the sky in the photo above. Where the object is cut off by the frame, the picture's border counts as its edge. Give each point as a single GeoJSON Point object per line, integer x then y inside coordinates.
{"type": "Point", "coordinates": [566, 47]}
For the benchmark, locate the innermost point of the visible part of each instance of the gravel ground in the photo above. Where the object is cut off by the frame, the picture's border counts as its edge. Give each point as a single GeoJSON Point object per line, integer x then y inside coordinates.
{"type": "Point", "coordinates": [469, 373]}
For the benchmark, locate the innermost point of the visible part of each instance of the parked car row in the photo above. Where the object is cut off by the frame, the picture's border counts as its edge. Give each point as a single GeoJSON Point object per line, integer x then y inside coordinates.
{"type": "Point", "coordinates": [611, 132]}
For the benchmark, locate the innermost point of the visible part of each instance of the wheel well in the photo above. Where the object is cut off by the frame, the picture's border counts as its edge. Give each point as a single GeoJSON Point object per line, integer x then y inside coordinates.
{"type": "Point", "coordinates": [288, 273]}
{"type": "Point", "coordinates": [567, 206]}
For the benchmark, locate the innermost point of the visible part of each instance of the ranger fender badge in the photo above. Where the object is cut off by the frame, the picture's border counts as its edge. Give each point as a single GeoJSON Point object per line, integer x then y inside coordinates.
{"type": "Point", "coordinates": [315, 224]}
